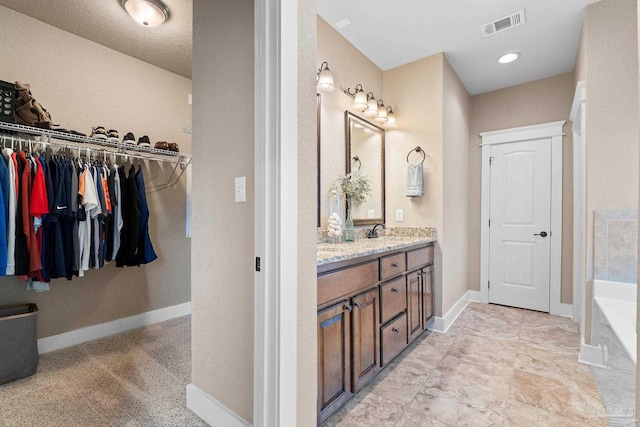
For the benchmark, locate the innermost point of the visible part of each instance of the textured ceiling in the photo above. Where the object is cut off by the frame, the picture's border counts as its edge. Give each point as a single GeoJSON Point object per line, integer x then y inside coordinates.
{"type": "Point", "coordinates": [168, 46]}
{"type": "Point", "coordinates": [396, 33]}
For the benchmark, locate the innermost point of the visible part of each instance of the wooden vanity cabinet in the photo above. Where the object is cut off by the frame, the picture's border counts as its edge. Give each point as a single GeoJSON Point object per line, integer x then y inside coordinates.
{"type": "Point", "coordinates": [334, 358]}
{"type": "Point", "coordinates": [369, 310]}
{"type": "Point", "coordinates": [366, 337]}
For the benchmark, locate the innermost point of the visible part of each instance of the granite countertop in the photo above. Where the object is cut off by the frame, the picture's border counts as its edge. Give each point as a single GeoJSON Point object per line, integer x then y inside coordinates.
{"type": "Point", "coordinates": [333, 252]}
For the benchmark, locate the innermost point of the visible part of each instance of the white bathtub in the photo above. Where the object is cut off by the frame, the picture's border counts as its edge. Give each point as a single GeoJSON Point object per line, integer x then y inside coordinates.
{"type": "Point", "coordinates": [617, 303]}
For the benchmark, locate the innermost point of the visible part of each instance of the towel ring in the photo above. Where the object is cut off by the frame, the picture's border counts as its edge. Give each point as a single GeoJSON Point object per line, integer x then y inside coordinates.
{"type": "Point", "coordinates": [357, 159]}
{"type": "Point", "coordinates": [417, 150]}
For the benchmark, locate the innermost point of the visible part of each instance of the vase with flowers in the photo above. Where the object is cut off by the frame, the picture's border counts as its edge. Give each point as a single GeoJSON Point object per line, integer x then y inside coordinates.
{"type": "Point", "coordinates": [355, 188]}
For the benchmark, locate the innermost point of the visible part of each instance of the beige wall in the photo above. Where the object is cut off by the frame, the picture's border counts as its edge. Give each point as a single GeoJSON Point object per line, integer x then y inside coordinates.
{"type": "Point", "coordinates": [307, 353]}
{"type": "Point", "coordinates": [455, 228]}
{"type": "Point", "coordinates": [541, 101]}
{"type": "Point", "coordinates": [349, 67]}
{"type": "Point", "coordinates": [222, 245]}
{"type": "Point", "coordinates": [84, 84]}
{"type": "Point", "coordinates": [611, 132]}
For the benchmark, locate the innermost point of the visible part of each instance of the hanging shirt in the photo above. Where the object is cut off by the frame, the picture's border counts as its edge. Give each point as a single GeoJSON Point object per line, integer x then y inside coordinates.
{"type": "Point", "coordinates": [86, 189]}
{"type": "Point", "coordinates": [146, 253]}
{"type": "Point", "coordinates": [8, 155]}
{"type": "Point", "coordinates": [118, 223]}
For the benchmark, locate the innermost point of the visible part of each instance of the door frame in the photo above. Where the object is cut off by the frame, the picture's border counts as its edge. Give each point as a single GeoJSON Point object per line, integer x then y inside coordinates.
{"type": "Point", "coordinates": [551, 130]}
{"type": "Point", "coordinates": [276, 209]}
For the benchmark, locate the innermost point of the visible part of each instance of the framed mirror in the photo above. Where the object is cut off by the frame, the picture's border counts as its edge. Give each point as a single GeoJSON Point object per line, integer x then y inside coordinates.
{"type": "Point", "coordinates": [319, 181]}
{"type": "Point", "coordinates": [365, 154]}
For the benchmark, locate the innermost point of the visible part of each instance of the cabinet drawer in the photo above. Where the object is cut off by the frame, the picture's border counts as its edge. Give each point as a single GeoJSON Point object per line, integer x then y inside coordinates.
{"type": "Point", "coordinates": [394, 339]}
{"type": "Point", "coordinates": [392, 265]}
{"type": "Point", "coordinates": [419, 257]}
{"type": "Point", "coordinates": [393, 298]}
{"type": "Point", "coordinates": [344, 282]}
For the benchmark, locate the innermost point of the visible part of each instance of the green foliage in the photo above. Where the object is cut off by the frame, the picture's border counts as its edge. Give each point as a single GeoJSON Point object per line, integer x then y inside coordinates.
{"type": "Point", "coordinates": [356, 189]}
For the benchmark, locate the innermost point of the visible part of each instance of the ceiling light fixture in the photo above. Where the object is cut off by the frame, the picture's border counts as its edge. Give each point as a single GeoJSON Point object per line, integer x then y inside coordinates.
{"type": "Point", "coordinates": [325, 79]}
{"type": "Point", "coordinates": [509, 57]}
{"type": "Point", "coordinates": [149, 13]}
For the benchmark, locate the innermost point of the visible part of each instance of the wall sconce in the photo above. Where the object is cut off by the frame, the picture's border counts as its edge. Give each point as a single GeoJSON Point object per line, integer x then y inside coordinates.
{"type": "Point", "coordinates": [325, 79]}
{"type": "Point", "coordinates": [149, 13]}
{"type": "Point", "coordinates": [391, 117]}
{"type": "Point", "coordinates": [382, 113]}
{"type": "Point", "coordinates": [372, 106]}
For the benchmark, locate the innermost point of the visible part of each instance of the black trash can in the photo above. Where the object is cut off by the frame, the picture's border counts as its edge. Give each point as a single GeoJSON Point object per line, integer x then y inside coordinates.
{"type": "Point", "coordinates": [18, 342]}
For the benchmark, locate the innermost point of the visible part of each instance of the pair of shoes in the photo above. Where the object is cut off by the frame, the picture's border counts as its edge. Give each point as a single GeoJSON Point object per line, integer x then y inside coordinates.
{"type": "Point", "coordinates": [164, 145]}
{"type": "Point", "coordinates": [100, 132]}
{"type": "Point", "coordinates": [129, 138]}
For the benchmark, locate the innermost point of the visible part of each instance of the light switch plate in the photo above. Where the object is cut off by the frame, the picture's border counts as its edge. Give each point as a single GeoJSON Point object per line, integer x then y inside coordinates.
{"type": "Point", "coordinates": [240, 190]}
{"type": "Point", "coordinates": [399, 215]}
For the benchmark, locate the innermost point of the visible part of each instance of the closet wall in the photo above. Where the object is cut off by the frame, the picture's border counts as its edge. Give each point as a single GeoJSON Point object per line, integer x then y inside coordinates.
{"type": "Point", "coordinates": [84, 84]}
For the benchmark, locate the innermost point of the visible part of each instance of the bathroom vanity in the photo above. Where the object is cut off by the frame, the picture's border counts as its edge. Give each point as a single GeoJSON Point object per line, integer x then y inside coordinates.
{"type": "Point", "coordinates": [375, 296]}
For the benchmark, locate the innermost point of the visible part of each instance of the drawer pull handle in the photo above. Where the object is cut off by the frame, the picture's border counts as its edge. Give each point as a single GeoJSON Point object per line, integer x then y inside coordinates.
{"type": "Point", "coordinates": [347, 307]}
{"type": "Point", "coordinates": [357, 304]}
{"type": "Point", "coordinates": [395, 265]}
{"type": "Point", "coordinates": [396, 330]}
{"type": "Point", "coordinates": [395, 290]}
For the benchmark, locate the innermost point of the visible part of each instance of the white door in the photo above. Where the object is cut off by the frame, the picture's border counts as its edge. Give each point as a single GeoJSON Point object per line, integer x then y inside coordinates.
{"type": "Point", "coordinates": [520, 224]}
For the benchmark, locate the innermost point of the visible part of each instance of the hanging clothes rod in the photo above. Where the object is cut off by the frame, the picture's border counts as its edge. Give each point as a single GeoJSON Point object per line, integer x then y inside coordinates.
{"type": "Point", "coordinates": [26, 136]}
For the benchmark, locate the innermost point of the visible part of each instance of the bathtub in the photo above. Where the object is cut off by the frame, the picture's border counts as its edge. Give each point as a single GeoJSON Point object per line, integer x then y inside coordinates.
{"type": "Point", "coordinates": [617, 304]}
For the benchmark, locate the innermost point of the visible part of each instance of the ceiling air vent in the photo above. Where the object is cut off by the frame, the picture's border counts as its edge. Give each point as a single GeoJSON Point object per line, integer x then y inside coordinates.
{"type": "Point", "coordinates": [504, 23]}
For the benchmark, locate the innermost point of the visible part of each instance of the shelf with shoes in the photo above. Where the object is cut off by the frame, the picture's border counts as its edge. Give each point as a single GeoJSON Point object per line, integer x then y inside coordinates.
{"type": "Point", "coordinates": [23, 137]}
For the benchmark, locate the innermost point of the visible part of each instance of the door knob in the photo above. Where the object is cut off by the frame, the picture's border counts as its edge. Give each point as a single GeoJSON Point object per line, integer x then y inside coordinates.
{"type": "Point", "coordinates": [541, 234]}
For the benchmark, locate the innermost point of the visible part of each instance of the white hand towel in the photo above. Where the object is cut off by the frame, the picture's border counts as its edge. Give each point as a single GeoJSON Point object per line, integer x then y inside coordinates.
{"type": "Point", "coordinates": [415, 181]}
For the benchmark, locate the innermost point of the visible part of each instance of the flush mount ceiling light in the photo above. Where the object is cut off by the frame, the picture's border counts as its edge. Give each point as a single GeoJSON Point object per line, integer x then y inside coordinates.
{"type": "Point", "coordinates": [149, 13]}
{"type": "Point", "coordinates": [509, 57]}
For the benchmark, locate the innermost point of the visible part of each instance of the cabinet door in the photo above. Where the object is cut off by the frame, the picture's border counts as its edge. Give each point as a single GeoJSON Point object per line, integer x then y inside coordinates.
{"type": "Point", "coordinates": [414, 304]}
{"type": "Point", "coordinates": [334, 359]}
{"type": "Point", "coordinates": [427, 296]}
{"type": "Point", "coordinates": [366, 339]}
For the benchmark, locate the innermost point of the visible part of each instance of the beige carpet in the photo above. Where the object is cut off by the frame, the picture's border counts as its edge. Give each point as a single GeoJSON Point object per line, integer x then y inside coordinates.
{"type": "Point", "coordinates": [133, 379]}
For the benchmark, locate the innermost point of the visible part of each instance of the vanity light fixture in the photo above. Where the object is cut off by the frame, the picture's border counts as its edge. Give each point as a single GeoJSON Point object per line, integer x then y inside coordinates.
{"type": "Point", "coordinates": [372, 106]}
{"type": "Point", "coordinates": [359, 97]}
{"type": "Point", "coordinates": [382, 113]}
{"type": "Point", "coordinates": [325, 79]}
{"type": "Point", "coordinates": [391, 117]}
{"type": "Point", "coordinates": [509, 57]}
{"type": "Point", "coordinates": [149, 13]}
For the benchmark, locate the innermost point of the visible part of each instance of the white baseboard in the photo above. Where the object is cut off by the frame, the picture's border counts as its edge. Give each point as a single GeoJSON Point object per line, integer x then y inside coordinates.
{"type": "Point", "coordinates": [442, 324]}
{"type": "Point", "coordinates": [475, 296]}
{"type": "Point", "coordinates": [67, 339]}
{"type": "Point", "coordinates": [565, 310]}
{"type": "Point", "coordinates": [592, 356]}
{"type": "Point", "coordinates": [210, 410]}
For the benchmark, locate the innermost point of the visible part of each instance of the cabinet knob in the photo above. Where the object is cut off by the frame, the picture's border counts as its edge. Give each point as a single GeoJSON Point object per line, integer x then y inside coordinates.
{"type": "Point", "coordinates": [396, 330]}
{"type": "Point", "coordinates": [395, 290]}
{"type": "Point", "coordinates": [395, 265]}
{"type": "Point", "coordinates": [357, 304]}
{"type": "Point", "coordinates": [347, 307]}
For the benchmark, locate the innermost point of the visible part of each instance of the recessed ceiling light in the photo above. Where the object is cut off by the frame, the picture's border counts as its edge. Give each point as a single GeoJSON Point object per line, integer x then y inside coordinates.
{"type": "Point", "coordinates": [509, 57]}
{"type": "Point", "coordinates": [149, 13]}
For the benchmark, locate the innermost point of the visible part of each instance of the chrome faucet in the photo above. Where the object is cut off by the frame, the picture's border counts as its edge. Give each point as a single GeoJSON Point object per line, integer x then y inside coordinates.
{"type": "Point", "coordinates": [373, 233]}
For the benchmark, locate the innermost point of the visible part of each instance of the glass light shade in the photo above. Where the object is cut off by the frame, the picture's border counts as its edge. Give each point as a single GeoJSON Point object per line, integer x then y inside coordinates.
{"type": "Point", "coordinates": [382, 114]}
{"type": "Point", "coordinates": [360, 101]}
{"type": "Point", "coordinates": [149, 13]}
{"type": "Point", "coordinates": [372, 109]}
{"type": "Point", "coordinates": [391, 119]}
{"type": "Point", "coordinates": [325, 81]}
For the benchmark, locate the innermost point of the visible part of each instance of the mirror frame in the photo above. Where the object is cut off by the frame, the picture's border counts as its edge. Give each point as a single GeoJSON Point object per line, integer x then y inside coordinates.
{"type": "Point", "coordinates": [348, 118]}
{"type": "Point", "coordinates": [319, 183]}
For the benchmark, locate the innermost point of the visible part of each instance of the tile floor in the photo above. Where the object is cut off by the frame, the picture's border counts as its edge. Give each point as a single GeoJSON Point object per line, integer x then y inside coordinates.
{"type": "Point", "coordinates": [495, 366]}
{"type": "Point", "coordinates": [134, 379]}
